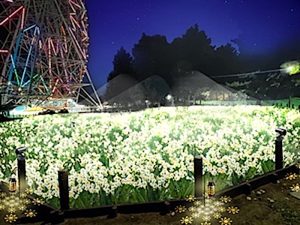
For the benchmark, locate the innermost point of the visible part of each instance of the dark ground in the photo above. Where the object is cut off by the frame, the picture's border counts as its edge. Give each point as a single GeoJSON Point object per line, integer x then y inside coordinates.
{"type": "Point", "coordinates": [274, 207]}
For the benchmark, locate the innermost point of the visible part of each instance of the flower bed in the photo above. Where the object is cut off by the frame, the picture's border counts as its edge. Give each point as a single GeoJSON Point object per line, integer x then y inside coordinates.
{"type": "Point", "coordinates": [148, 155]}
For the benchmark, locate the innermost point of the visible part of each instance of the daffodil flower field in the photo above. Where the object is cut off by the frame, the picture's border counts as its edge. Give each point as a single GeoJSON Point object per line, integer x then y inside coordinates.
{"type": "Point", "coordinates": [148, 155]}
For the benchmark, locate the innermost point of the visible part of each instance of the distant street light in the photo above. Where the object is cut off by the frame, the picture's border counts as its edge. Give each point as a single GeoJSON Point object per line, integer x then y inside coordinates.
{"type": "Point", "coordinates": [291, 68]}
{"type": "Point", "coordinates": [147, 102]}
{"type": "Point", "coordinates": [169, 97]}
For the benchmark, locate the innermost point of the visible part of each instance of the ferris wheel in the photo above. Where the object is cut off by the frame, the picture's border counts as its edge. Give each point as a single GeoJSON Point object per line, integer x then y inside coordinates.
{"type": "Point", "coordinates": [44, 51]}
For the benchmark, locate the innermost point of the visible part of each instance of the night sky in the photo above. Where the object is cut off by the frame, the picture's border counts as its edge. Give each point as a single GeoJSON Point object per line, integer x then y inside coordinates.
{"type": "Point", "coordinates": [261, 26]}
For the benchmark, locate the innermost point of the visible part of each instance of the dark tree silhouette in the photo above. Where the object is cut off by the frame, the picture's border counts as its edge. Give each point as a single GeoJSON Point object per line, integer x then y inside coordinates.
{"type": "Point", "coordinates": [152, 57]}
{"type": "Point", "coordinates": [227, 60]}
{"type": "Point", "coordinates": [193, 51]}
{"type": "Point", "coordinates": [120, 78]}
{"type": "Point", "coordinates": [123, 64]}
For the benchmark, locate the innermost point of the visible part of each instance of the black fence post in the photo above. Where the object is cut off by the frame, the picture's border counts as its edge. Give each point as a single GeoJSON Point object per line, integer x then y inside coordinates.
{"type": "Point", "coordinates": [278, 154]}
{"type": "Point", "coordinates": [198, 174]}
{"type": "Point", "coordinates": [63, 183]}
{"type": "Point", "coordinates": [21, 168]}
{"type": "Point", "coordinates": [248, 189]}
{"type": "Point", "coordinates": [278, 148]}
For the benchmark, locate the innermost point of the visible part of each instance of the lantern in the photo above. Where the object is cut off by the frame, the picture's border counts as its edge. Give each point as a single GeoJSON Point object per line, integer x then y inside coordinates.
{"type": "Point", "coordinates": [12, 184]}
{"type": "Point", "coordinates": [211, 189]}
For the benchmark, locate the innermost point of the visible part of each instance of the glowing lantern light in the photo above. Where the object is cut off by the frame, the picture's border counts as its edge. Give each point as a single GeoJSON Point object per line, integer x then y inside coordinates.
{"type": "Point", "coordinates": [211, 189]}
{"type": "Point", "coordinates": [12, 184]}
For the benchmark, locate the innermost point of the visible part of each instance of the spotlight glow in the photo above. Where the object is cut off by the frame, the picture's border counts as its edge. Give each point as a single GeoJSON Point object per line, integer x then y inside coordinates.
{"type": "Point", "coordinates": [291, 68]}
{"type": "Point", "coordinates": [14, 204]}
{"type": "Point", "coordinates": [204, 211]}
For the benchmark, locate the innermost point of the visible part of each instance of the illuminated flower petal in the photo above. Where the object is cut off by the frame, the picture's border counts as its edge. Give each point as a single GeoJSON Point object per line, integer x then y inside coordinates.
{"type": "Point", "coordinates": [191, 198]}
{"type": "Point", "coordinates": [192, 209]}
{"type": "Point", "coordinates": [291, 176]}
{"type": "Point", "coordinates": [205, 223]}
{"type": "Point", "coordinates": [197, 203]}
{"type": "Point", "coordinates": [2, 195]}
{"type": "Point", "coordinates": [29, 191]}
{"type": "Point", "coordinates": [23, 195]}
{"type": "Point", "coordinates": [30, 213]}
{"type": "Point", "coordinates": [37, 202]}
{"type": "Point", "coordinates": [186, 220]}
{"type": "Point", "coordinates": [206, 218]}
{"type": "Point", "coordinates": [22, 207]}
{"type": "Point", "coordinates": [10, 218]}
{"type": "Point", "coordinates": [218, 203]}
{"type": "Point", "coordinates": [295, 188]}
{"type": "Point", "coordinates": [217, 215]}
{"type": "Point", "coordinates": [27, 202]}
{"type": "Point", "coordinates": [233, 210]}
{"type": "Point", "coordinates": [196, 215]}
{"type": "Point", "coordinates": [222, 209]}
{"type": "Point", "coordinates": [225, 199]}
{"type": "Point", "coordinates": [225, 221]}
{"type": "Point", "coordinates": [180, 209]}
{"type": "Point", "coordinates": [11, 210]}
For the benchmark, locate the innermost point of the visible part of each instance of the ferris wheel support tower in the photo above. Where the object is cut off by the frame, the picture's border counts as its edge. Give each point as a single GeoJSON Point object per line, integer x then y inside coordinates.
{"type": "Point", "coordinates": [44, 51]}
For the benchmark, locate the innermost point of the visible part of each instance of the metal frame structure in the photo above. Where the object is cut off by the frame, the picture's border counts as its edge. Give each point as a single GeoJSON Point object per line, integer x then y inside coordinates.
{"type": "Point", "coordinates": [44, 51]}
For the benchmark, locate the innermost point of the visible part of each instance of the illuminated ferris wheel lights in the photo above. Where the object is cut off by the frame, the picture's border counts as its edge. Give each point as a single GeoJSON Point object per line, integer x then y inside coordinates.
{"type": "Point", "coordinates": [4, 51]}
{"type": "Point", "coordinates": [45, 50]}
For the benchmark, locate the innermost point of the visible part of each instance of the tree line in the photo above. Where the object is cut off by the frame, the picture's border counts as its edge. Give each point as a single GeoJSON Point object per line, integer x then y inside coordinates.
{"type": "Point", "coordinates": [156, 67]}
